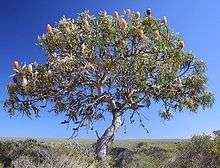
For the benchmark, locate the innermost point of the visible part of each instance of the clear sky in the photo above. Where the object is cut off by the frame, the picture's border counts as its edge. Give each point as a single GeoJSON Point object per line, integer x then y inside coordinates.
{"type": "Point", "coordinates": [198, 21]}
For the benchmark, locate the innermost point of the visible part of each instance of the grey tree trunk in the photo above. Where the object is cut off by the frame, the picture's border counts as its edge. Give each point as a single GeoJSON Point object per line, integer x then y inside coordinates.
{"type": "Point", "coordinates": [104, 141]}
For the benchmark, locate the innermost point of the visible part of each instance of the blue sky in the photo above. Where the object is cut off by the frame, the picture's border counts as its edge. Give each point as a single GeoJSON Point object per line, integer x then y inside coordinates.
{"type": "Point", "coordinates": [198, 21]}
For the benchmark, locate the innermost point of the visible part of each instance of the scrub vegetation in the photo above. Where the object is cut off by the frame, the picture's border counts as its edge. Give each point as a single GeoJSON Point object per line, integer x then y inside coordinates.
{"type": "Point", "coordinates": [201, 151]}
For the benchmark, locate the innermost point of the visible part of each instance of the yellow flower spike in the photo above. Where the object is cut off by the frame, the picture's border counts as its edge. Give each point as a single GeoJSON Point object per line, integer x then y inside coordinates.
{"type": "Point", "coordinates": [138, 15]}
{"type": "Point", "coordinates": [49, 28]}
{"type": "Point", "coordinates": [141, 33]}
{"type": "Point", "coordinates": [30, 68]}
{"type": "Point", "coordinates": [9, 86]}
{"type": "Point", "coordinates": [16, 65]}
{"type": "Point", "coordinates": [123, 24]}
{"type": "Point", "coordinates": [164, 20]}
{"type": "Point", "coordinates": [157, 33]}
{"type": "Point", "coordinates": [116, 14]}
{"type": "Point", "coordinates": [128, 12]}
{"type": "Point", "coordinates": [149, 12]}
{"type": "Point", "coordinates": [24, 82]}
{"type": "Point", "coordinates": [181, 44]}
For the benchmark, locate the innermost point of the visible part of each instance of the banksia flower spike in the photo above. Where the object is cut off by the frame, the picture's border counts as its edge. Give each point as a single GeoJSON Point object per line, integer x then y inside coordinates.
{"type": "Point", "coordinates": [67, 30]}
{"type": "Point", "coordinates": [49, 29]}
{"type": "Point", "coordinates": [157, 33]}
{"type": "Point", "coordinates": [116, 14]}
{"type": "Point", "coordinates": [16, 65]}
{"type": "Point", "coordinates": [138, 15]}
{"type": "Point", "coordinates": [24, 82]}
{"type": "Point", "coordinates": [190, 103]}
{"type": "Point", "coordinates": [141, 33]}
{"type": "Point", "coordinates": [123, 24]}
{"type": "Point", "coordinates": [181, 44]}
{"type": "Point", "coordinates": [164, 20]}
{"type": "Point", "coordinates": [83, 46]}
{"type": "Point", "coordinates": [9, 86]}
{"type": "Point", "coordinates": [87, 25]}
{"type": "Point", "coordinates": [30, 68]}
{"type": "Point", "coordinates": [128, 12]}
{"type": "Point", "coordinates": [149, 12]}
{"type": "Point", "coordinates": [49, 73]}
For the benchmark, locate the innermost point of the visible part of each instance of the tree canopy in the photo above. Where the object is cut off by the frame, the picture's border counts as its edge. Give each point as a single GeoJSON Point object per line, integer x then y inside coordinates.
{"type": "Point", "coordinates": [116, 63]}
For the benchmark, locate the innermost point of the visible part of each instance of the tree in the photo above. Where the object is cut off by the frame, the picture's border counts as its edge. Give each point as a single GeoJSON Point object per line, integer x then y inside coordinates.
{"type": "Point", "coordinates": [116, 64]}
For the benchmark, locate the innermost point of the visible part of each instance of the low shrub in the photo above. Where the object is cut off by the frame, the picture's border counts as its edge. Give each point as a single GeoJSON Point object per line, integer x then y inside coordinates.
{"type": "Point", "coordinates": [195, 154]}
{"type": "Point", "coordinates": [35, 154]}
{"type": "Point", "coordinates": [201, 151]}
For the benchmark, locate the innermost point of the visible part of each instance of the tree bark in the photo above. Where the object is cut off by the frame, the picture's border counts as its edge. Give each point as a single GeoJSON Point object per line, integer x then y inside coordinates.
{"type": "Point", "coordinates": [104, 141]}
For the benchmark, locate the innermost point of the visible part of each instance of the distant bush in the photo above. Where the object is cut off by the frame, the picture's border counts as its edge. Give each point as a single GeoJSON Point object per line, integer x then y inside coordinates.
{"type": "Point", "coordinates": [143, 144]}
{"type": "Point", "coordinates": [6, 147]}
{"type": "Point", "coordinates": [142, 155]}
{"type": "Point", "coordinates": [198, 153]}
{"type": "Point", "coordinates": [36, 154]}
{"type": "Point", "coordinates": [216, 145]}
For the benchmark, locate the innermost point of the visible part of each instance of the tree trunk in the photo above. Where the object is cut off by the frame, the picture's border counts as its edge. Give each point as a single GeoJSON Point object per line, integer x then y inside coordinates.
{"type": "Point", "coordinates": [104, 141]}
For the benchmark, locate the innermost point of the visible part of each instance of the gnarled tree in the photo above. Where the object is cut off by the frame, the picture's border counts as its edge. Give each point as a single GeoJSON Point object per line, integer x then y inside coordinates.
{"type": "Point", "coordinates": [116, 64]}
